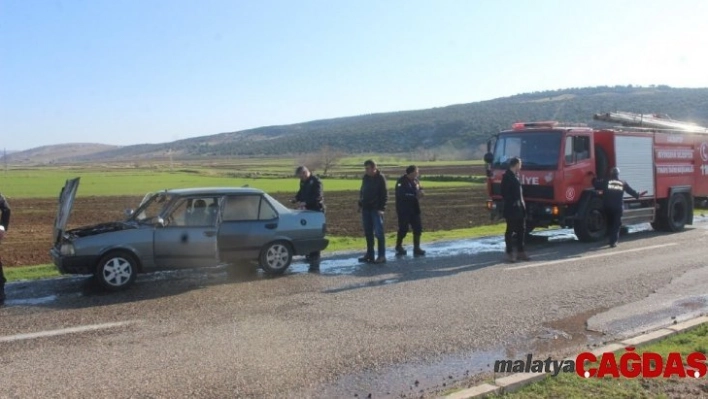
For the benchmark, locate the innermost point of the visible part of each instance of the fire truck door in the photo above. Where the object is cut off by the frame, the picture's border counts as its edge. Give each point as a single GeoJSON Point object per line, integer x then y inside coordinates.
{"type": "Point", "coordinates": [577, 163]}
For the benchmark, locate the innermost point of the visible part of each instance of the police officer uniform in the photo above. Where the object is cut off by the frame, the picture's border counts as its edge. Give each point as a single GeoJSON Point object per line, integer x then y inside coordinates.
{"type": "Point", "coordinates": [613, 200]}
{"type": "Point", "coordinates": [514, 210]}
{"type": "Point", "coordinates": [408, 212]}
{"type": "Point", "coordinates": [5, 222]}
{"type": "Point", "coordinates": [311, 194]}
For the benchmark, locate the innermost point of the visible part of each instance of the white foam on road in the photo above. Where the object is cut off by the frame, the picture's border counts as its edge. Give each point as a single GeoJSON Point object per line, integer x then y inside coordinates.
{"type": "Point", "coordinates": [64, 331]}
{"type": "Point", "coordinates": [601, 255]}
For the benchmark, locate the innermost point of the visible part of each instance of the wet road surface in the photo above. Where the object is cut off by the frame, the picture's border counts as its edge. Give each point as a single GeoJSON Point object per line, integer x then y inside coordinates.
{"type": "Point", "coordinates": [408, 328]}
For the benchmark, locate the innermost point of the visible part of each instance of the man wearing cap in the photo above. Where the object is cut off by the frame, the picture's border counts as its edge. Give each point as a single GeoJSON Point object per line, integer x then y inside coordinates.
{"type": "Point", "coordinates": [613, 199]}
{"type": "Point", "coordinates": [310, 197]}
{"type": "Point", "coordinates": [4, 224]}
{"type": "Point", "coordinates": [408, 193]}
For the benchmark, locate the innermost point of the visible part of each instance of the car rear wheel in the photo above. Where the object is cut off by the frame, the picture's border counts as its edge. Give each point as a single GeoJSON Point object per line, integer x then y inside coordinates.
{"type": "Point", "coordinates": [276, 257]}
{"type": "Point", "coordinates": [116, 271]}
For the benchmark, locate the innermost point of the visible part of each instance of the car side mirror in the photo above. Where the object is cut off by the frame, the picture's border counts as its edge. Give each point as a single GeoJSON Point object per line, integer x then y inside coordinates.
{"type": "Point", "coordinates": [160, 222]}
{"type": "Point", "coordinates": [488, 157]}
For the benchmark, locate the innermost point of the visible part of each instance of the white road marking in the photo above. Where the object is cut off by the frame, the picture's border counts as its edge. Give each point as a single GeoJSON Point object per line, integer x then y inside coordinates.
{"type": "Point", "coordinates": [600, 255]}
{"type": "Point", "coordinates": [64, 331]}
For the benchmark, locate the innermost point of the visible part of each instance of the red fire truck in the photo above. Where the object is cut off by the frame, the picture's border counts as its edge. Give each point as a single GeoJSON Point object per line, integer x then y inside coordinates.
{"type": "Point", "coordinates": [666, 158]}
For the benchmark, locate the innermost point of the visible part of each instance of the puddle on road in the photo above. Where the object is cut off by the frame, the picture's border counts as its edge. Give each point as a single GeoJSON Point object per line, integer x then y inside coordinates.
{"type": "Point", "coordinates": [346, 264]}
{"type": "Point", "coordinates": [412, 379]}
{"type": "Point", "coordinates": [557, 339]}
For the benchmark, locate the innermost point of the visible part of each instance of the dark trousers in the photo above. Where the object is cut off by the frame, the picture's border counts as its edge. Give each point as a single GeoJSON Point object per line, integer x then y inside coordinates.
{"type": "Point", "coordinates": [409, 218]}
{"type": "Point", "coordinates": [2, 275]}
{"type": "Point", "coordinates": [373, 227]}
{"type": "Point", "coordinates": [614, 223]}
{"type": "Point", "coordinates": [515, 227]}
{"type": "Point", "coordinates": [315, 256]}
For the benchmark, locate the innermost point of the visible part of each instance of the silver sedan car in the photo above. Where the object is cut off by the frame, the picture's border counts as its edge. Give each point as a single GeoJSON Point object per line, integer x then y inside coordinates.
{"type": "Point", "coordinates": [186, 228]}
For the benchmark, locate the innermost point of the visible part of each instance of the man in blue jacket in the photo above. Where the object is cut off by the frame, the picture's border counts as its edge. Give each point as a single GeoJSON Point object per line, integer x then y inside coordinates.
{"type": "Point", "coordinates": [408, 193]}
{"type": "Point", "coordinates": [373, 197]}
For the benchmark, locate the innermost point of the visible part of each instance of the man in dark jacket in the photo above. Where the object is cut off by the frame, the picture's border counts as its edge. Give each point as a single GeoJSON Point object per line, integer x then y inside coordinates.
{"type": "Point", "coordinates": [373, 197]}
{"type": "Point", "coordinates": [408, 193]}
{"type": "Point", "coordinates": [4, 223]}
{"type": "Point", "coordinates": [514, 211]}
{"type": "Point", "coordinates": [613, 190]}
{"type": "Point", "coordinates": [310, 197]}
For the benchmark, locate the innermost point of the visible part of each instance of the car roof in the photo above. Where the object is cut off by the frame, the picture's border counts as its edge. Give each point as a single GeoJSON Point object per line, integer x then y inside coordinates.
{"type": "Point", "coordinates": [213, 191]}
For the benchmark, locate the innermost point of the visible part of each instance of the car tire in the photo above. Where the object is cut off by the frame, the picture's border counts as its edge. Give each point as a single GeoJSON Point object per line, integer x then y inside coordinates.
{"type": "Point", "coordinates": [116, 271]}
{"type": "Point", "coordinates": [276, 257]}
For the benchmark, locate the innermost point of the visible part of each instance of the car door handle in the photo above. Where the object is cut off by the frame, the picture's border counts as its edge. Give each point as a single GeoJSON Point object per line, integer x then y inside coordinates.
{"type": "Point", "coordinates": [271, 226]}
{"type": "Point", "coordinates": [210, 233]}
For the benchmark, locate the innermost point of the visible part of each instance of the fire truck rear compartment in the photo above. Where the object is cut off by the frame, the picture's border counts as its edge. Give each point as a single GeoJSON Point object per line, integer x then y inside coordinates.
{"type": "Point", "coordinates": [634, 156]}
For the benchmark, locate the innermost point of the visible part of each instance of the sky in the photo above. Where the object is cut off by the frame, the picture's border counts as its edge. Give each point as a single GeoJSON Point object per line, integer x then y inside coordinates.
{"type": "Point", "coordinates": [149, 71]}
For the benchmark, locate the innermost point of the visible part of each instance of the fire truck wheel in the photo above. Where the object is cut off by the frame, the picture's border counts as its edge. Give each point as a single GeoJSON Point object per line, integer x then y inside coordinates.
{"type": "Point", "coordinates": [592, 226]}
{"type": "Point", "coordinates": [678, 212]}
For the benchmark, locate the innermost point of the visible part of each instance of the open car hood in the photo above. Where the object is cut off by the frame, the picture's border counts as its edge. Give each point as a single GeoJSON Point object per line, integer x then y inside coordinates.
{"type": "Point", "coordinates": [66, 201]}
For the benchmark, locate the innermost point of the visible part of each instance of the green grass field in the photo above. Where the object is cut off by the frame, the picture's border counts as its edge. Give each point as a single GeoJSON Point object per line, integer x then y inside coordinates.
{"type": "Point", "coordinates": [336, 244]}
{"type": "Point", "coordinates": [47, 183]}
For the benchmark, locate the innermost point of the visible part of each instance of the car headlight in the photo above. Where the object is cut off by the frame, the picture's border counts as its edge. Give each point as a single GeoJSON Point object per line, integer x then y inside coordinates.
{"type": "Point", "coordinates": [67, 249]}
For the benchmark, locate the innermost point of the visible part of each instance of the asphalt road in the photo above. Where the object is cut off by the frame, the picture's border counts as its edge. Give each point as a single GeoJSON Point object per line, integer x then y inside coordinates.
{"type": "Point", "coordinates": [350, 329]}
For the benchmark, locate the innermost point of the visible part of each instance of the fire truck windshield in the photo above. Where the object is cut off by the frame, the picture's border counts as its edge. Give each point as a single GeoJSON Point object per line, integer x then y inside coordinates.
{"type": "Point", "coordinates": [537, 150]}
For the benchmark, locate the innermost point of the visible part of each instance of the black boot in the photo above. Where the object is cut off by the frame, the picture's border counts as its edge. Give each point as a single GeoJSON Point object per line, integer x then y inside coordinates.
{"type": "Point", "coordinates": [2, 294]}
{"type": "Point", "coordinates": [369, 257]}
{"type": "Point", "coordinates": [416, 243]}
{"type": "Point", "coordinates": [400, 251]}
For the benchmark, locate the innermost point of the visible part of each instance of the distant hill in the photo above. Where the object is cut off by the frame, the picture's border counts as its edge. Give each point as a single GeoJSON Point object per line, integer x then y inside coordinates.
{"type": "Point", "coordinates": [460, 130]}
{"type": "Point", "coordinates": [57, 153]}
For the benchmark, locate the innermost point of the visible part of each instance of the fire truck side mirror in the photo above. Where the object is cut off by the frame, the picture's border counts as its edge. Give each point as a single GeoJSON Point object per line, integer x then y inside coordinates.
{"type": "Point", "coordinates": [488, 157]}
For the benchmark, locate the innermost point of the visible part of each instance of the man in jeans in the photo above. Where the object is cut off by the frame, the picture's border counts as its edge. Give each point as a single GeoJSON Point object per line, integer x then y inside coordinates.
{"type": "Point", "coordinates": [514, 211]}
{"type": "Point", "coordinates": [373, 197]}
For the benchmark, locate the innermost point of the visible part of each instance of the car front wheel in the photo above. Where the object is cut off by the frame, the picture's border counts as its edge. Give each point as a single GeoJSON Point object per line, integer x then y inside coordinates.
{"type": "Point", "coordinates": [116, 271]}
{"type": "Point", "coordinates": [276, 257]}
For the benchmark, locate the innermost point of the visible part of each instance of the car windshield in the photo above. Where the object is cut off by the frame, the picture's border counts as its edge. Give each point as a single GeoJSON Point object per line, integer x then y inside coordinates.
{"type": "Point", "coordinates": [151, 207]}
{"type": "Point", "coordinates": [538, 150]}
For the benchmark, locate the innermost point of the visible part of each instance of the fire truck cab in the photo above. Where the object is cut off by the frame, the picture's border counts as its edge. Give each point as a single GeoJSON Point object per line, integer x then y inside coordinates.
{"type": "Point", "coordinates": [559, 163]}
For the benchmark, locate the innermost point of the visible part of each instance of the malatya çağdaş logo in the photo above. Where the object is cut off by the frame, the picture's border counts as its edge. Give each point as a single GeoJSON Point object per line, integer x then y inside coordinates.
{"type": "Point", "coordinates": [630, 365]}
